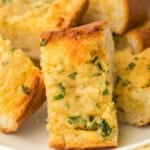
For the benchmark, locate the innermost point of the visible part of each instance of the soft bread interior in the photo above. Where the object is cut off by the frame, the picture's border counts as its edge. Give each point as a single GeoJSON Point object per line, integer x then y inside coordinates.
{"type": "Point", "coordinates": [132, 90]}
{"type": "Point", "coordinates": [114, 12]}
{"type": "Point", "coordinates": [23, 21]}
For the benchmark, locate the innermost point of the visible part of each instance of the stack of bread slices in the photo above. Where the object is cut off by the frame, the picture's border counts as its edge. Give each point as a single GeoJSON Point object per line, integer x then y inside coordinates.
{"type": "Point", "coordinates": [94, 72]}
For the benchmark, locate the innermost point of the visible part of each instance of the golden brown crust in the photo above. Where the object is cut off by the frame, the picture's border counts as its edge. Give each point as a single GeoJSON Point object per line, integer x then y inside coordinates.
{"type": "Point", "coordinates": [84, 145]}
{"type": "Point", "coordinates": [136, 13]}
{"type": "Point", "coordinates": [76, 16]}
{"type": "Point", "coordinates": [144, 35]}
{"type": "Point", "coordinates": [30, 104]}
{"type": "Point", "coordinates": [141, 37]}
{"type": "Point", "coordinates": [72, 33]}
{"type": "Point", "coordinates": [79, 14]}
{"type": "Point", "coordinates": [37, 99]}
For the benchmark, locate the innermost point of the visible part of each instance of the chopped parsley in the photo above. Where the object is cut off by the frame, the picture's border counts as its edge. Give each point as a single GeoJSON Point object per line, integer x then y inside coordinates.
{"type": "Point", "coordinates": [96, 74]}
{"type": "Point", "coordinates": [4, 63]}
{"type": "Point", "coordinates": [94, 59]}
{"type": "Point", "coordinates": [25, 89]}
{"type": "Point", "coordinates": [148, 67]}
{"type": "Point", "coordinates": [73, 75]}
{"type": "Point", "coordinates": [107, 83]}
{"type": "Point", "coordinates": [12, 49]}
{"type": "Point", "coordinates": [118, 79]}
{"type": "Point", "coordinates": [43, 42]}
{"type": "Point", "coordinates": [6, 1]}
{"type": "Point", "coordinates": [126, 83]}
{"type": "Point", "coordinates": [100, 125]}
{"type": "Point", "coordinates": [99, 66]}
{"type": "Point", "coordinates": [131, 66]}
{"type": "Point", "coordinates": [63, 92]}
{"type": "Point", "coordinates": [105, 128]}
{"type": "Point", "coordinates": [105, 92]}
{"type": "Point", "coordinates": [62, 88]}
{"type": "Point", "coordinates": [59, 97]}
{"type": "Point", "coordinates": [74, 119]}
{"type": "Point", "coordinates": [136, 58]}
{"type": "Point", "coordinates": [98, 105]}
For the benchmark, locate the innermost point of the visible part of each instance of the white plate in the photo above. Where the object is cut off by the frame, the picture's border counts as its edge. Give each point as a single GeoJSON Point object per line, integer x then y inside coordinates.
{"type": "Point", "coordinates": [33, 135]}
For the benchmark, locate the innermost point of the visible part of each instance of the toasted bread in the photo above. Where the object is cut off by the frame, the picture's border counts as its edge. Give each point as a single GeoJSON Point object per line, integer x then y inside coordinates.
{"type": "Point", "coordinates": [121, 15]}
{"type": "Point", "coordinates": [132, 89]}
{"type": "Point", "coordinates": [22, 21]}
{"type": "Point", "coordinates": [139, 38]}
{"type": "Point", "coordinates": [93, 12]}
{"type": "Point", "coordinates": [79, 84]}
{"type": "Point", "coordinates": [22, 89]}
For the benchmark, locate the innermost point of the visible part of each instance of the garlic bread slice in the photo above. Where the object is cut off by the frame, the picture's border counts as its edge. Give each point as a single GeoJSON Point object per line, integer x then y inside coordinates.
{"type": "Point", "coordinates": [78, 72]}
{"type": "Point", "coordinates": [21, 87]}
{"type": "Point", "coordinates": [132, 88]}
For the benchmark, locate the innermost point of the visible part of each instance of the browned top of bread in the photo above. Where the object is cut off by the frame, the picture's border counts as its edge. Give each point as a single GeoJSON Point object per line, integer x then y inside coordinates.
{"type": "Point", "coordinates": [78, 32]}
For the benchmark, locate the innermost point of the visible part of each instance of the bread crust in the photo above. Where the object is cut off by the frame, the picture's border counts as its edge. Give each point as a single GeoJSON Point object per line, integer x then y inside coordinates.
{"type": "Point", "coordinates": [85, 30]}
{"type": "Point", "coordinates": [60, 145]}
{"type": "Point", "coordinates": [135, 13]}
{"type": "Point", "coordinates": [140, 39]}
{"type": "Point", "coordinates": [30, 104]}
{"type": "Point", "coordinates": [79, 13]}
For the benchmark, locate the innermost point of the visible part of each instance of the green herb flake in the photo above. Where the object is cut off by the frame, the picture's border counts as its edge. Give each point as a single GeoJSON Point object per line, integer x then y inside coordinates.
{"type": "Point", "coordinates": [62, 88]}
{"type": "Point", "coordinates": [25, 89]}
{"type": "Point", "coordinates": [6, 1]}
{"type": "Point", "coordinates": [126, 83]}
{"type": "Point", "coordinates": [105, 92]}
{"type": "Point", "coordinates": [107, 83]}
{"type": "Point", "coordinates": [73, 75]}
{"type": "Point", "coordinates": [96, 74]}
{"type": "Point", "coordinates": [59, 97]}
{"type": "Point", "coordinates": [105, 128]}
{"type": "Point", "coordinates": [43, 42]}
{"type": "Point", "coordinates": [131, 66]}
{"type": "Point", "coordinates": [12, 49]}
{"type": "Point", "coordinates": [94, 59]}
{"type": "Point", "coordinates": [148, 67]}
{"type": "Point", "coordinates": [4, 63]}
{"type": "Point", "coordinates": [74, 119]}
{"type": "Point", "coordinates": [136, 58]}
{"type": "Point", "coordinates": [98, 105]}
{"type": "Point", "coordinates": [99, 66]}
{"type": "Point", "coordinates": [118, 79]}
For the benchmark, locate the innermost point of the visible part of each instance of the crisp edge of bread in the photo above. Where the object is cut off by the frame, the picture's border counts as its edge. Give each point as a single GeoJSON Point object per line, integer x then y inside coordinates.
{"type": "Point", "coordinates": [33, 101]}
{"type": "Point", "coordinates": [95, 145]}
{"type": "Point", "coordinates": [86, 30]}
